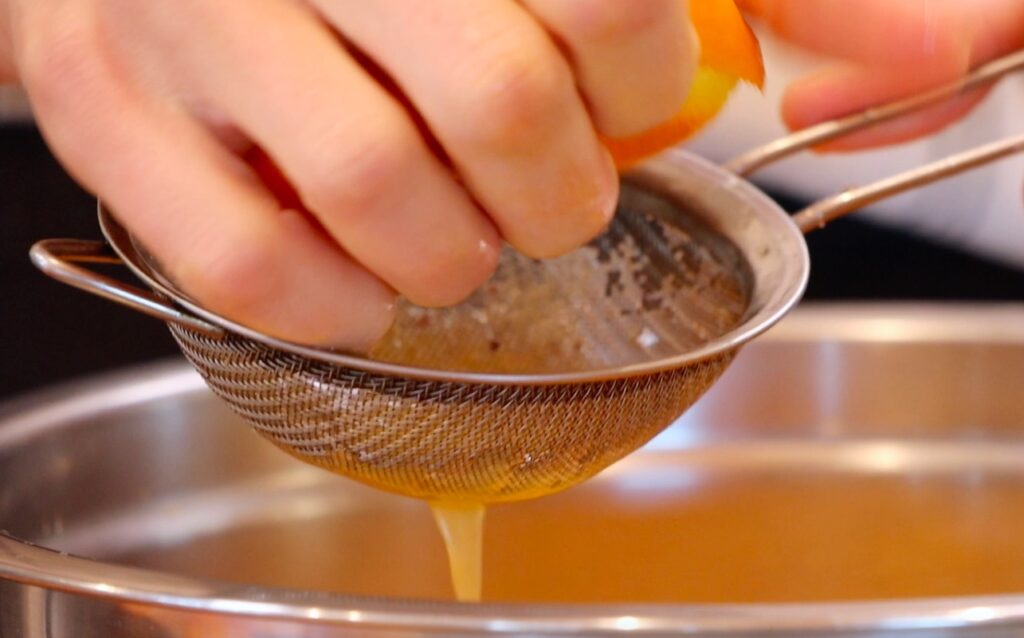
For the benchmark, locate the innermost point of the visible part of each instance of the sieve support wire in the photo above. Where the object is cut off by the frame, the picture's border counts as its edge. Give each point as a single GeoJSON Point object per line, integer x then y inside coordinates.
{"type": "Point", "coordinates": [810, 137]}
{"type": "Point", "coordinates": [817, 215]}
{"type": "Point", "coordinates": [58, 258]}
{"type": "Point", "coordinates": [822, 212]}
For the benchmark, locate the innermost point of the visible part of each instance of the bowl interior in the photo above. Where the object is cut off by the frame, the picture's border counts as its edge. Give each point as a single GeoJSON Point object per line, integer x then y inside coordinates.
{"type": "Point", "coordinates": [881, 460]}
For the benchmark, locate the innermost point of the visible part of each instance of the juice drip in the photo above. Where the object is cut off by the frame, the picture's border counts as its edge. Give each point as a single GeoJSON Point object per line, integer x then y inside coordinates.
{"type": "Point", "coordinates": [462, 527]}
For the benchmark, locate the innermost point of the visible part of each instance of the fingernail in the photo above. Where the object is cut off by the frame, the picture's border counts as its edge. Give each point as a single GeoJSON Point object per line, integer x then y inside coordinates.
{"type": "Point", "coordinates": [609, 199]}
{"type": "Point", "coordinates": [490, 250]}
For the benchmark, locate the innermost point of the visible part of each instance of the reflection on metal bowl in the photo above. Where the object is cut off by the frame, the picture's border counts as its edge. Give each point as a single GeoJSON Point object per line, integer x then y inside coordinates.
{"type": "Point", "coordinates": [852, 455]}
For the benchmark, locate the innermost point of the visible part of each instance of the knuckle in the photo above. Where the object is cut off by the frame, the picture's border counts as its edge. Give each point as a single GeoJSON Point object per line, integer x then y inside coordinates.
{"type": "Point", "coordinates": [351, 173]}
{"type": "Point", "coordinates": [58, 64]}
{"type": "Point", "coordinates": [550, 236]}
{"type": "Point", "coordinates": [516, 95]}
{"type": "Point", "coordinates": [448, 280]}
{"type": "Point", "coordinates": [239, 280]}
{"type": "Point", "coordinates": [610, 20]}
{"type": "Point", "coordinates": [558, 244]}
{"type": "Point", "coordinates": [339, 327]}
{"type": "Point", "coordinates": [363, 338]}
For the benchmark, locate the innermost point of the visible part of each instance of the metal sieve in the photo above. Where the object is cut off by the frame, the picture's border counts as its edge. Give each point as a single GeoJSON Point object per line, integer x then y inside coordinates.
{"type": "Point", "coordinates": [554, 369]}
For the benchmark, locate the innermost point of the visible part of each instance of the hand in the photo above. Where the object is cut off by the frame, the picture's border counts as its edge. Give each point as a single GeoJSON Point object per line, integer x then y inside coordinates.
{"type": "Point", "coordinates": [889, 49]}
{"type": "Point", "coordinates": [416, 133]}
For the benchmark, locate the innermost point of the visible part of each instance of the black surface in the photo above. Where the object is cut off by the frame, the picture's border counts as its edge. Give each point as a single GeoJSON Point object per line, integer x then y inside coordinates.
{"type": "Point", "coordinates": [854, 260]}
{"type": "Point", "coordinates": [49, 332]}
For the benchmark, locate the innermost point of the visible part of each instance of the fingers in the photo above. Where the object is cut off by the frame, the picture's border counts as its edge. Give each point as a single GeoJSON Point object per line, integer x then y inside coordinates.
{"type": "Point", "coordinates": [169, 98]}
{"type": "Point", "coordinates": [876, 33]}
{"type": "Point", "coordinates": [501, 99]}
{"type": "Point", "coordinates": [895, 49]}
{"type": "Point", "coordinates": [217, 232]}
{"type": "Point", "coordinates": [936, 36]}
{"type": "Point", "coordinates": [356, 159]}
{"type": "Point", "coordinates": [998, 26]}
{"type": "Point", "coordinates": [634, 61]}
{"type": "Point", "coordinates": [842, 90]}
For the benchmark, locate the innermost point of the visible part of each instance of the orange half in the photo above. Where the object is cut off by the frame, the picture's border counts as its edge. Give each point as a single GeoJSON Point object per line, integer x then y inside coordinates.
{"type": "Point", "coordinates": [729, 53]}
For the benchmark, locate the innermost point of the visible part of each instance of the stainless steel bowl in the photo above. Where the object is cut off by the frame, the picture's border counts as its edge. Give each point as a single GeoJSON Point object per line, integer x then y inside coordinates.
{"type": "Point", "coordinates": [859, 471]}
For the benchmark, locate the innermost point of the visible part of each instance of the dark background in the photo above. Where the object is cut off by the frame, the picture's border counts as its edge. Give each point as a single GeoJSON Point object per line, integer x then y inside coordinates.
{"type": "Point", "coordinates": [49, 332]}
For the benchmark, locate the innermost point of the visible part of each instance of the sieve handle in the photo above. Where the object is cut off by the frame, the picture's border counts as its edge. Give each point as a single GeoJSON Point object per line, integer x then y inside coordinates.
{"type": "Point", "coordinates": [812, 136]}
{"type": "Point", "coordinates": [848, 201]}
{"type": "Point", "coordinates": [57, 258]}
{"type": "Point", "coordinates": [820, 213]}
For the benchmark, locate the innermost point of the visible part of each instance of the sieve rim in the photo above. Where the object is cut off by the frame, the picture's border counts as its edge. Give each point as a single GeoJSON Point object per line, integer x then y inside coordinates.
{"type": "Point", "coordinates": [657, 172]}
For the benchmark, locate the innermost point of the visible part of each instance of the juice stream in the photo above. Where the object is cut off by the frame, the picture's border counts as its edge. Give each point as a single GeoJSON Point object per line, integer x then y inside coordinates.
{"type": "Point", "coordinates": [462, 527]}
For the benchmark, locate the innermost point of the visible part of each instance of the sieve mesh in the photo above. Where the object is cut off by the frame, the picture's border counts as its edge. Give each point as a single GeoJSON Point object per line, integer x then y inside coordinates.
{"type": "Point", "coordinates": [657, 284]}
{"type": "Point", "coordinates": [442, 440]}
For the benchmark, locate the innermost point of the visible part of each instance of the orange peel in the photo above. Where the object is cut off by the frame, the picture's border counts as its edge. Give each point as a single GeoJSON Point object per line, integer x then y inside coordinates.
{"type": "Point", "coordinates": [730, 53]}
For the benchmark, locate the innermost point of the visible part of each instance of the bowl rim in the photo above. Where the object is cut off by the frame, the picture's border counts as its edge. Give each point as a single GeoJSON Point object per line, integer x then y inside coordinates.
{"type": "Point", "coordinates": [40, 567]}
{"type": "Point", "coordinates": [777, 304]}
{"type": "Point", "coordinates": [54, 407]}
